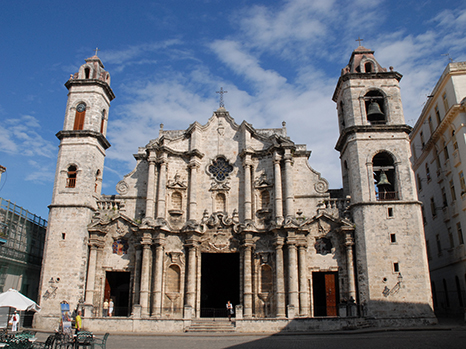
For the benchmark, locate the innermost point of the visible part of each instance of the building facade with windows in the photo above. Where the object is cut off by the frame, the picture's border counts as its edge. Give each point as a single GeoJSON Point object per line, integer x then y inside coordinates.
{"type": "Point", "coordinates": [439, 161]}
{"type": "Point", "coordinates": [224, 211]}
{"type": "Point", "coordinates": [22, 237]}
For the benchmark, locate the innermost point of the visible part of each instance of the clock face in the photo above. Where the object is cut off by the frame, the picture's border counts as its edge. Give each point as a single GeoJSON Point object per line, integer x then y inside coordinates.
{"type": "Point", "coordinates": [81, 107]}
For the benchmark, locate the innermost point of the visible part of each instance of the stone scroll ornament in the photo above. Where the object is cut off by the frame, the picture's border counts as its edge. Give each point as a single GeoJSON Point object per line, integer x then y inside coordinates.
{"type": "Point", "coordinates": [122, 187]}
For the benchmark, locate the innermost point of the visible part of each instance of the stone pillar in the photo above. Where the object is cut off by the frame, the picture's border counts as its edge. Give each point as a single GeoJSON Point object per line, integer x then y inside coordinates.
{"type": "Point", "coordinates": [158, 275]}
{"type": "Point", "coordinates": [349, 242]}
{"type": "Point", "coordinates": [191, 284]}
{"type": "Point", "coordinates": [303, 277]}
{"type": "Point", "coordinates": [150, 196]}
{"type": "Point", "coordinates": [280, 289]}
{"type": "Point", "coordinates": [292, 272]}
{"type": "Point", "coordinates": [137, 275]}
{"type": "Point", "coordinates": [278, 189]}
{"type": "Point", "coordinates": [192, 213]}
{"type": "Point", "coordinates": [247, 272]}
{"type": "Point", "coordinates": [91, 274]}
{"type": "Point", "coordinates": [162, 187]}
{"type": "Point", "coordinates": [247, 188]}
{"type": "Point", "coordinates": [145, 274]}
{"type": "Point", "coordinates": [289, 184]}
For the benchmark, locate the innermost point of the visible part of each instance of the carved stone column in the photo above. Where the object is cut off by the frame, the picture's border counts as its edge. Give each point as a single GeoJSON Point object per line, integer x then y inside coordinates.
{"type": "Point", "coordinates": [191, 244]}
{"type": "Point", "coordinates": [279, 275]}
{"type": "Point", "coordinates": [137, 274]}
{"type": "Point", "coordinates": [150, 196]}
{"type": "Point", "coordinates": [247, 188]}
{"type": "Point", "coordinates": [158, 275]}
{"type": "Point", "coordinates": [278, 189]}
{"type": "Point", "coordinates": [91, 270]}
{"type": "Point", "coordinates": [292, 271]}
{"type": "Point", "coordinates": [145, 274]}
{"type": "Point", "coordinates": [247, 272]}
{"type": "Point", "coordinates": [162, 187]}
{"type": "Point", "coordinates": [192, 213]}
{"type": "Point", "coordinates": [303, 284]}
{"type": "Point", "coordinates": [289, 184]}
{"type": "Point", "coordinates": [349, 242]}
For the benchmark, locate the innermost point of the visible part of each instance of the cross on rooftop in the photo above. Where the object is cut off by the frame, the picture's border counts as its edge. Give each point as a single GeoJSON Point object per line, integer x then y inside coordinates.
{"type": "Point", "coordinates": [359, 39]}
{"type": "Point", "coordinates": [222, 92]}
{"type": "Point", "coordinates": [96, 49]}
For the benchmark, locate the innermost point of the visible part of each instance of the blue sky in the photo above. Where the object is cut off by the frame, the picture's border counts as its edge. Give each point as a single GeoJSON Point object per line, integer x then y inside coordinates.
{"type": "Point", "coordinates": [278, 60]}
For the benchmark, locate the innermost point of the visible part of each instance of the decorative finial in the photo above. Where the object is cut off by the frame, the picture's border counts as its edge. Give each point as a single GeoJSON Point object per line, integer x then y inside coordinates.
{"type": "Point", "coordinates": [96, 50]}
{"type": "Point", "coordinates": [283, 123]}
{"type": "Point", "coordinates": [161, 126]}
{"type": "Point", "coordinates": [222, 105]}
{"type": "Point", "coordinates": [359, 39]}
{"type": "Point", "coordinates": [448, 56]}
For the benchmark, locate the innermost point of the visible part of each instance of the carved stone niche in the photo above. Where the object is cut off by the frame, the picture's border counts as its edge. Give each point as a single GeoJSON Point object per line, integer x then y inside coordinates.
{"type": "Point", "coordinates": [177, 196]}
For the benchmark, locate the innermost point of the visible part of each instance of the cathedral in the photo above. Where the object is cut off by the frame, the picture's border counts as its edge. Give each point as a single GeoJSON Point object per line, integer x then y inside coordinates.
{"type": "Point", "coordinates": [226, 212]}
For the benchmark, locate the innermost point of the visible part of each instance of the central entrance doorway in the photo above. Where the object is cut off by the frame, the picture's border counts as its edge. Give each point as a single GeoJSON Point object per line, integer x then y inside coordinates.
{"type": "Point", "coordinates": [219, 283]}
{"type": "Point", "coordinates": [117, 288]}
{"type": "Point", "coordinates": [326, 293]}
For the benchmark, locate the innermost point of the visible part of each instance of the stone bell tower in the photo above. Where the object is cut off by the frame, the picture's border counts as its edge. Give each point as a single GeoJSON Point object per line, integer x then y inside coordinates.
{"type": "Point", "coordinates": [77, 186]}
{"type": "Point", "coordinates": [392, 270]}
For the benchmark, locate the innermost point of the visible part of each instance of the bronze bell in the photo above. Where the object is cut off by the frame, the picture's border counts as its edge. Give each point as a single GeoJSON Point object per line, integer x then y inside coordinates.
{"type": "Point", "coordinates": [374, 113]}
{"type": "Point", "coordinates": [383, 180]}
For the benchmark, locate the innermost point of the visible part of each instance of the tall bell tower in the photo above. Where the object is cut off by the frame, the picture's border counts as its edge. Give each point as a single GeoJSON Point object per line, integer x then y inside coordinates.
{"type": "Point", "coordinates": [392, 270]}
{"type": "Point", "coordinates": [77, 187]}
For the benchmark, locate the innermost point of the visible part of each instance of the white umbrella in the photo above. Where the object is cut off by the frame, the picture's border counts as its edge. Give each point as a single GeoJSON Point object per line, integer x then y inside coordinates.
{"type": "Point", "coordinates": [12, 298]}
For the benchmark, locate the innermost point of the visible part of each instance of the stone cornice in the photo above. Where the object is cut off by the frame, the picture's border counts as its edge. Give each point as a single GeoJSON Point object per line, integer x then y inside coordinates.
{"type": "Point", "coordinates": [84, 82]}
{"type": "Point", "coordinates": [82, 134]}
{"type": "Point", "coordinates": [367, 129]}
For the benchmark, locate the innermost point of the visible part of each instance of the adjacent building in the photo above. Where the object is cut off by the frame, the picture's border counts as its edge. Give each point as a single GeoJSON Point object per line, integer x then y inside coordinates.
{"type": "Point", "coordinates": [439, 160]}
{"type": "Point", "coordinates": [223, 211]}
{"type": "Point", "coordinates": [22, 237]}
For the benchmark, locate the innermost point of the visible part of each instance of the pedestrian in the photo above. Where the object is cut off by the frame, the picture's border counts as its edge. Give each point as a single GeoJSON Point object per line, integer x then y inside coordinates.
{"type": "Point", "coordinates": [78, 322]}
{"type": "Point", "coordinates": [14, 322]}
{"type": "Point", "coordinates": [110, 307]}
{"type": "Point", "coordinates": [105, 308]}
{"type": "Point", "coordinates": [229, 310]}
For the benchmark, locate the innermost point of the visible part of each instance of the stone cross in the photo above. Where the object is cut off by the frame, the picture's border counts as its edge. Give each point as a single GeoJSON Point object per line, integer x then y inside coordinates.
{"type": "Point", "coordinates": [359, 39]}
{"type": "Point", "coordinates": [96, 49]}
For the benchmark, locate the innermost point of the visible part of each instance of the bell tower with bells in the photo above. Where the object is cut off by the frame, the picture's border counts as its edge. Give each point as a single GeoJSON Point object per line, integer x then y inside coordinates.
{"type": "Point", "coordinates": [391, 260]}
{"type": "Point", "coordinates": [77, 188]}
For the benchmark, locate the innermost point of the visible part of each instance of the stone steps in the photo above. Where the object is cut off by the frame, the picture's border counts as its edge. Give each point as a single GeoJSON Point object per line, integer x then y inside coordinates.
{"type": "Point", "coordinates": [211, 326]}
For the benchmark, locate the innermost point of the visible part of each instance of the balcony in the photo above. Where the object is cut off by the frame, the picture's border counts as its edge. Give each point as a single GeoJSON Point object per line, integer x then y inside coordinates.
{"type": "Point", "coordinates": [386, 195]}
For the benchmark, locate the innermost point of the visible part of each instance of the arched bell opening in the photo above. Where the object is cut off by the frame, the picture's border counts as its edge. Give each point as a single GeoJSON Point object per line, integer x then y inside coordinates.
{"type": "Point", "coordinates": [384, 177]}
{"type": "Point", "coordinates": [375, 108]}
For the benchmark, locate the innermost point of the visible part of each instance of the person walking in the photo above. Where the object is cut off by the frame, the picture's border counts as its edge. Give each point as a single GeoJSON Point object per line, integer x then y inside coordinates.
{"type": "Point", "coordinates": [105, 308]}
{"type": "Point", "coordinates": [229, 310]}
{"type": "Point", "coordinates": [78, 322]}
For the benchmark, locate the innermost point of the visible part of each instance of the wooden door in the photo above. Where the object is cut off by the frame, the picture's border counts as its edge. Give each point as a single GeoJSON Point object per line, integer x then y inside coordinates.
{"type": "Point", "coordinates": [330, 295]}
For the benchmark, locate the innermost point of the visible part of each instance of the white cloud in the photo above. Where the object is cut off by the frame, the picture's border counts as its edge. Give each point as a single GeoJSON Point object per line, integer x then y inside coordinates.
{"type": "Point", "coordinates": [40, 173]}
{"type": "Point", "coordinates": [22, 136]}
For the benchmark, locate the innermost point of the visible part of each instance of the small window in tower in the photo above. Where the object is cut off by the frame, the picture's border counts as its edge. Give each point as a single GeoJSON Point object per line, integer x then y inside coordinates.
{"type": "Point", "coordinates": [71, 180]}
{"type": "Point", "coordinates": [87, 73]}
{"type": "Point", "coordinates": [390, 212]}
{"type": "Point", "coordinates": [393, 238]}
{"type": "Point", "coordinates": [102, 122]}
{"type": "Point", "coordinates": [368, 67]}
{"type": "Point", "coordinates": [396, 267]}
{"type": "Point", "coordinates": [79, 117]}
{"type": "Point", "coordinates": [375, 109]}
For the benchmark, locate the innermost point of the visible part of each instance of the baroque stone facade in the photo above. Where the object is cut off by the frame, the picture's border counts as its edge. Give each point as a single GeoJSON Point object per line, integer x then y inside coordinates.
{"type": "Point", "coordinates": [224, 211]}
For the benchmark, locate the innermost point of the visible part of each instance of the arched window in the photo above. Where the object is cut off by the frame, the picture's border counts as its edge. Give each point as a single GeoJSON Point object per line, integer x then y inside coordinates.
{"type": "Point", "coordinates": [375, 109]}
{"type": "Point", "coordinates": [71, 179]}
{"type": "Point", "coordinates": [220, 202]}
{"type": "Point", "coordinates": [173, 279]}
{"type": "Point", "coordinates": [87, 73]}
{"type": "Point", "coordinates": [266, 279]}
{"type": "Point", "coordinates": [368, 67]}
{"type": "Point", "coordinates": [102, 122]}
{"type": "Point", "coordinates": [79, 117]}
{"type": "Point", "coordinates": [384, 177]}
{"type": "Point", "coordinates": [177, 201]}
